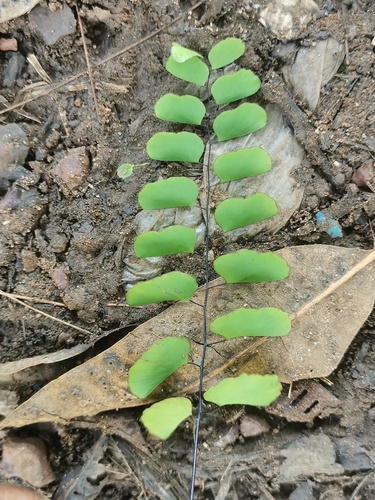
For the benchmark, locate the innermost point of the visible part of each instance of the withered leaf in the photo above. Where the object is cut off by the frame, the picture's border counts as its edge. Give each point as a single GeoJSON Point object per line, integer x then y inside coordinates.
{"type": "Point", "coordinates": [324, 322]}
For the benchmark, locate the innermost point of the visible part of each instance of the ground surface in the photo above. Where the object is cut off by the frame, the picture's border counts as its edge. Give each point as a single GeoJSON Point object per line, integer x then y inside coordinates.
{"type": "Point", "coordinates": [68, 243]}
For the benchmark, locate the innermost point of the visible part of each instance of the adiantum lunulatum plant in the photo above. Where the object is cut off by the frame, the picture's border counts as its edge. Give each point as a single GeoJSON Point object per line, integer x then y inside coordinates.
{"type": "Point", "coordinates": [244, 266]}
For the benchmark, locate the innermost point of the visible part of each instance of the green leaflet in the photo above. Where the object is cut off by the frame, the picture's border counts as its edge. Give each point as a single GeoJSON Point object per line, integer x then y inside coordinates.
{"type": "Point", "coordinates": [254, 390]}
{"type": "Point", "coordinates": [173, 239]}
{"type": "Point", "coordinates": [180, 109]}
{"type": "Point", "coordinates": [245, 119]}
{"type": "Point", "coordinates": [265, 322]}
{"type": "Point", "coordinates": [168, 146]}
{"type": "Point", "coordinates": [225, 52]}
{"type": "Point", "coordinates": [170, 286]}
{"type": "Point", "coordinates": [244, 163]}
{"type": "Point", "coordinates": [238, 212]}
{"type": "Point", "coordinates": [193, 70]}
{"type": "Point", "coordinates": [248, 266]}
{"type": "Point", "coordinates": [125, 170]}
{"type": "Point", "coordinates": [230, 88]}
{"type": "Point", "coordinates": [162, 418]}
{"type": "Point", "coordinates": [181, 54]}
{"type": "Point", "coordinates": [157, 363]}
{"type": "Point", "coordinates": [168, 193]}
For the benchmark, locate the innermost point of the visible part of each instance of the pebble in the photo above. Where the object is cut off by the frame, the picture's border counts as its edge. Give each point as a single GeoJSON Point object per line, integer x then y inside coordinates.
{"type": "Point", "coordinates": [72, 171]}
{"type": "Point", "coordinates": [52, 25]}
{"type": "Point", "coordinates": [59, 277]}
{"type": "Point", "coordinates": [364, 175]}
{"type": "Point", "coordinates": [252, 426]}
{"type": "Point", "coordinates": [14, 150]}
{"type": "Point", "coordinates": [26, 458]}
{"type": "Point", "coordinates": [8, 44]}
{"type": "Point", "coordinates": [351, 455]}
{"type": "Point", "coordinates": [29, 260]}
{"type": "Point", "coordinates": [304, 491]}
{"type": "Point", "coordinates": [13, 70]}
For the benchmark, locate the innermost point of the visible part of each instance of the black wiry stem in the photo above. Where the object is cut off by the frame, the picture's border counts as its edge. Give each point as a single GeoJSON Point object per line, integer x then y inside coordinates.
{"type": "Point", "coordinates": [205, 302]}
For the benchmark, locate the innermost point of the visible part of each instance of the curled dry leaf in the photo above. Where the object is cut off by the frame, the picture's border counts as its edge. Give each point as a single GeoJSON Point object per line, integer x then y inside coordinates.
{"type": "Point", "coordinates": [324, 322]}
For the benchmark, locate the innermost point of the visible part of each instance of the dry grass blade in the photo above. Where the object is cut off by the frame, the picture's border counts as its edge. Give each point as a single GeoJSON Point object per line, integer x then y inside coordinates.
{"type": "Point", "coordinates": [32, 59]}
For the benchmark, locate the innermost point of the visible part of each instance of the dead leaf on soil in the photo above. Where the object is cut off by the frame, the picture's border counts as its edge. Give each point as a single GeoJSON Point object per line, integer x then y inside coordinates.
{"type": "Point", "coordinates": [322, 329]}
{"type": "Point", "coordinates": [41, 367]}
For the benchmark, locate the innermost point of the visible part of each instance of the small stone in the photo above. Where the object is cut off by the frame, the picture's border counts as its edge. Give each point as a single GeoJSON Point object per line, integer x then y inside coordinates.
{"type": "Point", "coordinates": [72, 171]}
{"type": "Point", "coordinates": [59, 277]}
{"type": "Point", "coordinates": [52, 25]}
{"type": "Point", "coordinates": [252, 426]}
{"type": "Point", "coordinates": [26, 458]}
{"type": "Point", "coordinates": [304, 491]}
{"type": "Point", "coordinates": [364, 175]}
{"type": "Point", "coordinates": [8, 44]}
{"type": "Point", "coordinates": [14, 149]}
{"type": "Point", "coordinates": [352, 456]}
{"type": "Point", "coordinates": [339, 179]}
{"type": "Point", "coordinates": [29, 260]}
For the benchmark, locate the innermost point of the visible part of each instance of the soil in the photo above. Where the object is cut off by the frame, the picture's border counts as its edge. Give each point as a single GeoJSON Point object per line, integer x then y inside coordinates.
{"type": "Point", "coordinates": [68, 245]}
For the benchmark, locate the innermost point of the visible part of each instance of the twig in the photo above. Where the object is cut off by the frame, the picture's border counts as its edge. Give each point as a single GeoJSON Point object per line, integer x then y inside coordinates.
{"type": "Point", "coordinates": [87, 62]}
{"type": "Point", "coordinates": [37, 299]}
{"type": "Point", "coordinates": [105, 60]}
{"type": "Point", "coordinates": [360, 485]}
{"type": "Point", "coordinates": [11, 297]}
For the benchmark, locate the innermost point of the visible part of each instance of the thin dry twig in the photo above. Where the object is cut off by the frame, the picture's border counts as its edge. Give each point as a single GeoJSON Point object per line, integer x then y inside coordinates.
{"type": "Point", "coordinates": [87, 62]}
{"type": "Point", "coordinates": [37, 299]}
{"type": "Point", "coordinates": [103, 61]}
{"type": "Point", "coordinates": [11, 297]}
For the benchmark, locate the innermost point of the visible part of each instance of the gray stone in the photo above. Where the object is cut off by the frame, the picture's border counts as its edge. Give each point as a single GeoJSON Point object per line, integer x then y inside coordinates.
{"type": "Point", "coordinates": [308, 456]}
{"type": "Point", "coordinates": [351, 456]}
{"type": "Point", "coordinates": [14, 149]}
{"type": "Point", "coordinates": [52, 25]}
{"type": "Point", "coordinates": [304, 491]}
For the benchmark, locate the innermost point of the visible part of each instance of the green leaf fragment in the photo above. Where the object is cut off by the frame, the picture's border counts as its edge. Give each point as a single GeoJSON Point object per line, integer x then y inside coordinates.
{"type": "Point", "coordinates": [249, 266]}
{"type": "Point", "coordinates": [254, 390]}
{"type": "Point", "coordinates": [172, 240]}
{"type": "Point", "coordinates": [245, 119]}
{"type": "Point", "coordinates": [238, 212]}
{"type": "Point", "coordinates": [240, 164]}
{"type": "Point", "coordinates": [162, 418]}
{"type": "Point", "coordinates": [230, 88]}
{"type": "Point", "coordinates": [168, 146]}
{"type": "Point", "coordinates": [169, 193]}
{"type": "Point", "coordinates": [125, 170]}
{"type": "Point", "coordinates": [180, 109]}
{"type": "Point", "coordinates": [170, 286]}
{"type": "Point", "coordinates": [193, 70]}
{"type": "Point", "coordinates": [265, 322]}
{"type": "Point", "coordinates": [181, 54]}
{"type": "Point", "coordinates": [225, 52]}
{"type": "Point", "coordinates": [157, 363]}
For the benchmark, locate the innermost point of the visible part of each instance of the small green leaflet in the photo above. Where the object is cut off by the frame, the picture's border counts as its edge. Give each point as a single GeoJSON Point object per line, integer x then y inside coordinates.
{"type": "Point", "coordinates": [158, 363]}
{"type": "Point", "coordinates": [249, 266]}
{"type": "Point", "coordinates": [265, 322]}
{"type": "Point", "coordinates": [253, 390]}
{"type": "Point", "coordinates": [225, 52]}
{"type": "Point", "coordinates": [172, 240]}
{"type": "Point", "coordinates": [238, 212]}
{"type": "Point", "coordinates": [162, 418]}
{"type": "Point", "coordinates": [243, 163]}
{"type": "Point", "coordinates": [168, 193]}
{"type": "Point", "coordinates": [180, 109]}
{"type": "Point", "coordinates": [193, 70]}
{"type": "Point", "coordinates": [169, 286]}
{"type": "Point", "coordinates": [181, 54]}
{"type": "Point", "coordinates": [125, 170]}
{"type": "Point", "coordinates": [168, 146]}
{"type": "Point", "coordinates": [230, 88]}
{"type": "Point", "coordinates": [243, 120]}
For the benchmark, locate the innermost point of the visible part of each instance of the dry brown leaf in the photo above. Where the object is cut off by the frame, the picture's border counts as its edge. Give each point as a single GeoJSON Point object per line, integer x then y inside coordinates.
{"type": "Point", "coordinates": [322, 328]}
{"type": "Point", "coordinates": [12, 492]}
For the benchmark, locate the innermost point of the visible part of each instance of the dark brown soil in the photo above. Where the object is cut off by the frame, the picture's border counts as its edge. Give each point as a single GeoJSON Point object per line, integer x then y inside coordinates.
{"type": "Point", "coordinates": [90, 231]}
